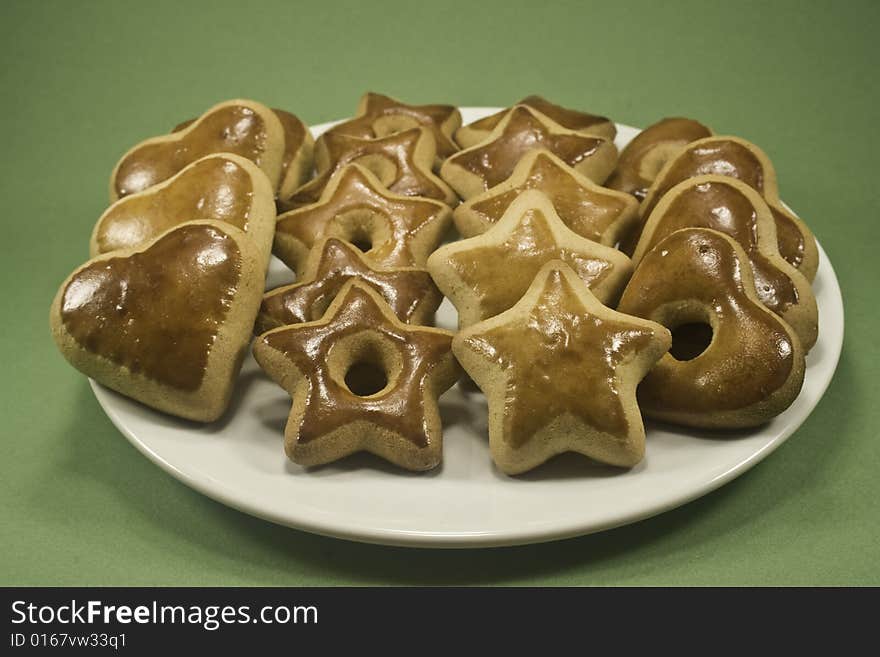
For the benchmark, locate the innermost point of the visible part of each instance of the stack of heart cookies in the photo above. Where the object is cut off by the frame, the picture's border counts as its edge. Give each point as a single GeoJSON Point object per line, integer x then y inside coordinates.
{"type": "Point", "coordinates": [678, 291]}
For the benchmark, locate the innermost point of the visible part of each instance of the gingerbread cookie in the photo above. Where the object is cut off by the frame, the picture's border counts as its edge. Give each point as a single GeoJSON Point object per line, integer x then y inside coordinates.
{"type": "Point", "coordinates": [589, 210]}
{"type": "Point", "coordinates": [485, 275]}
{"type": "Point", "coordinates": [361, 380]}
{"type": "Point", "coordinates": [380, 116]}
{"type": "Point", "coordinates": [402, 162]}
{"type": "Point", "coordinates": [473, 133]}
{"type": "Point", "coordinates": [560, 371]}
{"type": "Point", "coordinates": [298, 160]}
{"type": "Point", "coordinates": [393, 230]}
{"type": "Point", "coordinates": [489, 163]}
{"type": "Point", "coordinates": [733, 363]}
{"type": "Point", "coordinates": [738, 158]}
{"type": "Point", "coordinates": [730, 206]}
{"type": "Point", "coordinates": [166, 323]}
{"type": "Point", "coordinates": [241, 127]}
{"type": "Point", "coordinates": [221, 187]}
{"type": "Point", "coordinates": [409, 292]}
{"type": "Point", "coordinates": [645, 155]}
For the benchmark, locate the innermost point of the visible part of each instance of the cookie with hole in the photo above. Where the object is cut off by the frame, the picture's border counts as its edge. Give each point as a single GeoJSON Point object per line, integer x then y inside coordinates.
{"type": "Point", "coordinates": [474, 170]}
{"type": "Point", "coordinates": [730, 206]}
{"type": "Point", "coordinates": [736, 363]}
{"type": "Point", "coordinates": [579, 121]}
{"type": "Point", "coordinates": [559, 370]}
{"type": "Point", "coordinates": [409, 291]}
{"type": "Point", "coordinates": [361, 380]}
{"type": "Point", "coordinates": [242, 127]}
{"type": "Point", "coordinates": [391, 229]}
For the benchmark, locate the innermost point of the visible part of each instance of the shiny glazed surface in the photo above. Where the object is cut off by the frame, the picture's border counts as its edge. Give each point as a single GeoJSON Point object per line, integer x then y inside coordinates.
{"type": "Point", "coordinates": [751, 353]}
{"type": "Point", "coordinates": [567, 118]}
{"type": "Point", "coordinates": [214, 188]}
{"type": "Point", "coordinates": [231, 129]}
{"type": "Point", "coordinates": [499, 274]}
{"type": "Point", "coordinates": [724, 208]}
{"type": "Point", "coordinates": [391, 158]}
{"type": "Point", "coordinates": [157, 312]}
{"type": "Point", "coordinates": [358, 210]}
{"type": "Point", "coordinates": [330, 404]}
{"type": "Point", "coordinates": [645, 155]}
{"type": "Point", "coordinates": [494, 161]}
{"type": "Point", "coordinates": [560, 360]}
{"type": "Point", "coordinates": [383, 116]}
{"type": "Point", "coordinates": [407, 291]}
{"type": "Point", "coordinates": [587, 212]}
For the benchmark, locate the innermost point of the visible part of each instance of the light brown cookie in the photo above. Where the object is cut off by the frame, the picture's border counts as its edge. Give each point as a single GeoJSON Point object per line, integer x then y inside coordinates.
{"type": "Point", "coordinates": [393, 230]}
{"type": "Point", "coordinates": [489, 163]}
{"type": "Point", "coordinates": [645, 155]}
{"type": "Point", "coordinates": [219, 187]}
{"type": "Point", "coordinates": [361, 380]}
{"type": "Point", "coordinates": [738, 158]}
{"type": "Point", "coordinates": [380, 116]}
{"type": "Point", "coordinates": [583, 122]}
{"type": "Point", "coordinates": [166, 323]}
{"type": "Point", "coordinates": [560, 371]}
{"type": "Point", "coordinates": [487, 274]}
{"type": "Point", "coordinates": [730, 206]}
{"type": "Point", "coordinates": [298, 160]}
{"type": "Point", "coordinates": [733, 363]}
{"type": "Point", "coordinates": [241, 127]}
{"type": "Point", "coordinates": [409, 292]}
{"type": "Point", "coordinates": [402, 162]}
{"type": "Point", "coordinates": [589, 210]}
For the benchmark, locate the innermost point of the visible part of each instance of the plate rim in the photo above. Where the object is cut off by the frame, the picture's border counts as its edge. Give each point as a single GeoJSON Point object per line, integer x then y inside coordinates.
{"type": "Point", "coordinates": [218, 490]}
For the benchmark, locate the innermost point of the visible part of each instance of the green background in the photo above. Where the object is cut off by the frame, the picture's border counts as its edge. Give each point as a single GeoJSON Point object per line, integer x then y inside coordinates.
{"type": "Point", "coordinates": [82, 81]}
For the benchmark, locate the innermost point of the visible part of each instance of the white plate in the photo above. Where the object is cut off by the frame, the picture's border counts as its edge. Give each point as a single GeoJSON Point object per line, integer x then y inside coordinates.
{"type": "Point", "coordinates": [465, 502]}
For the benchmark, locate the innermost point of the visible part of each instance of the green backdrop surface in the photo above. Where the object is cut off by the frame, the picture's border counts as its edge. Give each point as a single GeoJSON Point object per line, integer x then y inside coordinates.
{"type": "Point", "coordinates": [82, 81]}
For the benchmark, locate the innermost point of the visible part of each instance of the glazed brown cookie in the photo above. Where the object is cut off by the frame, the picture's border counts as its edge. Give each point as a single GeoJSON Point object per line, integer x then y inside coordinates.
{"type": "Point", "coordinates": [749, 366]}
{"type": "Point", "coordinates": [380, 116]}
{"type": "Point", "coordinates": [220, 187]}
{"type": "Point", "coordinates": [409, 292]}
{"type": "Point", "coordinates": [361, 380]}
{"type": "Point", "coordinates": [730, 206]}
{"type": "Point", "coordinates": [402, 162]}
{"type": "Point", "coordinates": [241, 127]}
{"type": "Point", "coordinates": [589, 210]}
{"type": "Point", "coordinates": [560, 371]}
{"type": "Point", "coordinates": [392, 230]}
{"type": "Point", "coordinates": [473, 133]}
{"type": "Point", "coordinates": [476, 169]}
{"type": "Point", "coordinates": [645, 155]}
{"type": "Point", "coordinates": [298, 160]}
{"type": "Point", "coordinates": [166, 323]}
{"type": "Point", "coordinates": [485, 275]}
{"type": "Point", "coordinates": [738, 158]}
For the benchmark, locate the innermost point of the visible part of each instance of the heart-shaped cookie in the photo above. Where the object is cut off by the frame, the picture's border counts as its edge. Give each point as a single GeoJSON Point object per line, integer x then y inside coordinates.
{"type": "Point", "coordinates": [242, 127]}
{"type": "Point", "coordinates": [221, 187]}
{"type": "Point", "coordinates": [167, 323]}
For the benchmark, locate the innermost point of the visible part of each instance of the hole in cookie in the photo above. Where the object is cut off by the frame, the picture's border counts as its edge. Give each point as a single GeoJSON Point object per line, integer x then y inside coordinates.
{"type": "Point", "coordinates": [380, 166]}
{"type": "Point", "coordinates": [364, 379]}
{"type": "Point", "coordinates": [364, 229]}
{"type": "Point", "coordinates": [362, 242]}
{"type": "Point", "coordinates": [690, 340]}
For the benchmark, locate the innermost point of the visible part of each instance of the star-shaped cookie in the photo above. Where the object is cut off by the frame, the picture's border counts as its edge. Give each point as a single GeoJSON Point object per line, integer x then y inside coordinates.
{"type": "Point", "coordinates": [410, 292]}
{"type": "Point", "coordinates": [380, 116]}
{"type": "Point", "coordinates": [487, 274]}
{"type": "Point", "coordinates": [489, 163]}
{"type": "Point", "coordinates": [402, 162]}
{"type": "Point", "coordinates": [560, 372]}
{"type": "Point", "coordinates": [473, 133]}
{"type": "Point", "coordinates": [589, 210]}
{"type": "Point", "coordinates": [361, 380]}
{"type": "Point", "coordinates": [393, 230]}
